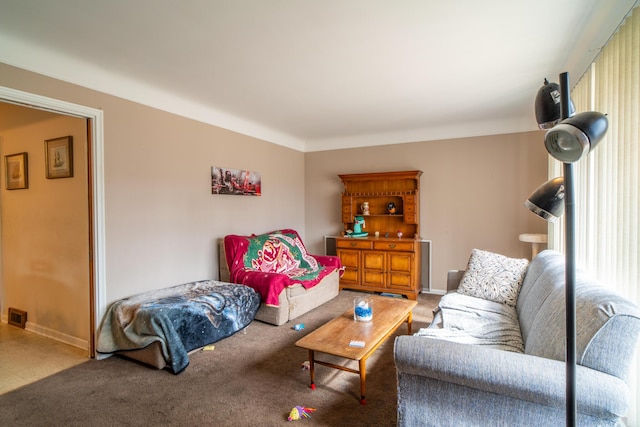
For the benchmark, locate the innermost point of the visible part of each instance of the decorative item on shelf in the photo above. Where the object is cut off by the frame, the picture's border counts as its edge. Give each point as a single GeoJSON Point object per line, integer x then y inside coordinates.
{"type": "Point", "coordinates": [362, 309]}
{"type": "Point", "coordinates": [391, 208]}
{"type": "Point", "coordinates": [358, 225]}
{"type": "Point", "coordinates": [386, 234]}
{"type": "Point", "coordinates": [399, 234]}
{"type": "Point", "coordinates": [377, 234]}
{"type": "Point", "coordinates": [365, 208]}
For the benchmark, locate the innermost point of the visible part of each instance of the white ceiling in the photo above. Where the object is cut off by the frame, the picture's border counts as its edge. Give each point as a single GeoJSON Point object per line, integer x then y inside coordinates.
{"type": "Point", "coordinates": [317, 74]}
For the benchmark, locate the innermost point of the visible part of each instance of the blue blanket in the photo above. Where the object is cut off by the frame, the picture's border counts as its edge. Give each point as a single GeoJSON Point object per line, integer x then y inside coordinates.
{"type": "Point", "coordinates": [182, 318]}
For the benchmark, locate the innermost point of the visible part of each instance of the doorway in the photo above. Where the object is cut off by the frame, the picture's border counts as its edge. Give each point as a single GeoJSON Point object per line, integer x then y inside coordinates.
{"type": "Point", "coordinates": [94, 199]}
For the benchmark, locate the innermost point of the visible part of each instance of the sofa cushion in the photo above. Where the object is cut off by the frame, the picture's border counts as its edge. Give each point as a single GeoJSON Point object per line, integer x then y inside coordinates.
{"type": "Point", "coordinates": [493, 277]}
{"type": "Point", "coordinates": [470, 320]}
{"type": "Point", "coordinates": [545, 275]}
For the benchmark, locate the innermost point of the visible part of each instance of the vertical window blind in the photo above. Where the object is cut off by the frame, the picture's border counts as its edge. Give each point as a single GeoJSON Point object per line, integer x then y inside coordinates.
{"type": "Point", "coordinates": [608, 180]}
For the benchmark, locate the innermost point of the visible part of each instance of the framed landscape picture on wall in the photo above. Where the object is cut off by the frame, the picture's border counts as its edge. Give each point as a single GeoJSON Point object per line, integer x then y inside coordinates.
{"type": "Point", "coordinates": [59, 157]}
{"type": "Point", "coordinates": [16, 171]}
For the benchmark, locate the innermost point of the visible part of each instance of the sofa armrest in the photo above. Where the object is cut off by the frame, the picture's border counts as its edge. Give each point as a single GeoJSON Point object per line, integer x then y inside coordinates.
{"type": "Point", "coordinates": [224, 274]}
{"type": "Point", "coordinates": [328, 261]}
{"type": "Point", "coordinates": [514, 375]}
{"type": "Point", "coordinates": [453, 279]}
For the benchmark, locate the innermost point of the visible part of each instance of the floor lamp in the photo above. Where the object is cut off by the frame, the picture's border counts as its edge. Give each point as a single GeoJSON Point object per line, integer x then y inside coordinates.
{"type": "Point", "coordinates": [569, 138]}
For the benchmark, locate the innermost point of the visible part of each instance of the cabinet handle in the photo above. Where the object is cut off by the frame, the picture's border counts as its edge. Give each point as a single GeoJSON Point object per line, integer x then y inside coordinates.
{"type": "Point", "coordinates": [354, 244]}
{"type": "Point", "coordinates": [392, 245]}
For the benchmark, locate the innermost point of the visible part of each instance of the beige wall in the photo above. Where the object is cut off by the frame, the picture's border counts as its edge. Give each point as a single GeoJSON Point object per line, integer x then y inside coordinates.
{"type": "Point", "coordinates": [471, 192]}
{"type": "Point", "coordinates": [44, 228]}
{"type": "Point", "coordinates": [162, 221]}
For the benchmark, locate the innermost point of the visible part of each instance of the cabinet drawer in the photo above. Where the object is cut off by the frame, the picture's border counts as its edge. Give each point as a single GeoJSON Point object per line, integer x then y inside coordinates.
{"type": "Point", "coordinates": [354, 244]}
{"type": "Point", "coordinates": [410, 218]}
{"type": "Point", "coordinates": [410, 210]}
{"type": "Point", "coordinates": [394, 246]}
{"type": "Point", "coordinates": [347, 214]}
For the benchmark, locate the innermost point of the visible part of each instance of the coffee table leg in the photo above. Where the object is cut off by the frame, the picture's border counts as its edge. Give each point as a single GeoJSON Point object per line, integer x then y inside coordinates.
{"type": "Point", "coordinates": [363, 380]}
{"type": "Point", "coordinates": [312, 370]}
{"type": "Point", "coordinates": [409, 321]}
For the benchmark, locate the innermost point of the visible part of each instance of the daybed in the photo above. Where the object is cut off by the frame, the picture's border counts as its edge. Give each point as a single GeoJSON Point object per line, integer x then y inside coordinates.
{"type": "Point", "coordinates": [277, 265]}
{"type": "Point", "coordinates": [161, 327]}
{"type": "Point", "coordinates": [494, 354]}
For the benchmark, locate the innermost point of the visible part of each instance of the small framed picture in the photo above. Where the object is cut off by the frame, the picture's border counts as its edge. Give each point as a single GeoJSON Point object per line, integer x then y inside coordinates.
{"type": "Point", "coordinates": [16, 171]}
{"type": "Point", "coordinates": [59, 157]}
{"type": "Point", "coordinates": [235, 181]}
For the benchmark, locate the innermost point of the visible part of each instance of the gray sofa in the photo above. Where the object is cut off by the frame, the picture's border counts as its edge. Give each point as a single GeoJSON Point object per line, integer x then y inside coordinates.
{"type": "Point", "coordinates": [451, 380]}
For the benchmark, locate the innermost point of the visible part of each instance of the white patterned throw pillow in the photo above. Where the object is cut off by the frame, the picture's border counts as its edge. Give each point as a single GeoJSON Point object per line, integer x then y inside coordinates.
{"type": "Point", "coordinates": [493, 277]}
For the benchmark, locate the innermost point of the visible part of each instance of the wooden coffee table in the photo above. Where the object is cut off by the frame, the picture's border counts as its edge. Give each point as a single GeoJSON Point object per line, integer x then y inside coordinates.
{"type": "Point", "coordinates": [334, 337]}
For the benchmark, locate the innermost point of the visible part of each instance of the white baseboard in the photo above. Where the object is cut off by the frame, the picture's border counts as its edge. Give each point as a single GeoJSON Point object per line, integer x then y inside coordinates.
{"type": "Point", "coordinates": [56, 335]}
{"type": "Point", "coordinates": [53, 334]}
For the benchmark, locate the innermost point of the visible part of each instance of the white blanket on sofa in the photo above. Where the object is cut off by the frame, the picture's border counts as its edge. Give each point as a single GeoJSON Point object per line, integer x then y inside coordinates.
{"type": "Point", "coordinates": [476, 321]}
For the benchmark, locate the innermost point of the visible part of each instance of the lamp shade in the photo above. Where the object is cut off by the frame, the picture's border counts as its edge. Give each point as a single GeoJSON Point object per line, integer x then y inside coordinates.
{"type": "Point", "coordinates": [576, 136]}
{"type": "Point", "coordinates": [547, 201]}
{"type": "Point", "coordinates": [547, 105]}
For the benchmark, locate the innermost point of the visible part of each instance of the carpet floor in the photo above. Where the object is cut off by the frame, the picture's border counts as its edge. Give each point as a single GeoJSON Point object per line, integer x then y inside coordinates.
{"type": "Point", "coordinates": [253, 378]}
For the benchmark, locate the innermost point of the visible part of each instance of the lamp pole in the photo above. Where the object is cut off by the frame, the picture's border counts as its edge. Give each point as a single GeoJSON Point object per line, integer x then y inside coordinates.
{"type": "Point", "coordinates": [568, 141]}
{"type": "Point", "coordinates": [570, 267]}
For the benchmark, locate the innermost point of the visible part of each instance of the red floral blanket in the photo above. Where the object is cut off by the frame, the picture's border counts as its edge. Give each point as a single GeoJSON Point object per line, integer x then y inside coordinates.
{"type": "Point", "coordinates": [273, 261]}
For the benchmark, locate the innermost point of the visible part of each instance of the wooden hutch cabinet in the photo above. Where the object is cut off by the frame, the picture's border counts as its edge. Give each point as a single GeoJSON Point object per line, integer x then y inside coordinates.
{"type": "Point", "coordinates": [388, 262]}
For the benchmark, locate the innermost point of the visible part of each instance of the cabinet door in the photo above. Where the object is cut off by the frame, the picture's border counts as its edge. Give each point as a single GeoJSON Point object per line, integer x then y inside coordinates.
{"type": "Point", "coordinates": [400, 268]}
{"type": "Point", "coordinates": [351, 262]}
{"type": "Point", "coordinates": [373, 271]}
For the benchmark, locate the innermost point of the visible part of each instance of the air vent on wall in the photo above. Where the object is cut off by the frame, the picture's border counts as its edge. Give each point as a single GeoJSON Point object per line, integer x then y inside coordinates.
{"type": "Point", "coordinates": [17, 317]}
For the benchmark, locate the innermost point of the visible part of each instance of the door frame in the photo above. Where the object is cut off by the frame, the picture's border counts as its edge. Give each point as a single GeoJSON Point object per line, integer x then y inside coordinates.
{"type": "Point", "coordinates": [95, 142]}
